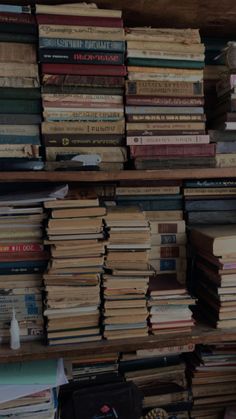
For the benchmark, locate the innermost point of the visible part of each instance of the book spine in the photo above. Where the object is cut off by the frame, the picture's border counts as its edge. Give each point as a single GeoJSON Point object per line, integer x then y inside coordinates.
{"type": "Point", "coordinates": [165, 118]}
{"type": "Point", "coordinates": [19, 28]}
{"type": "Point", "coordinates": [83, 69]}
{"type": "Point", "coordinates": [19, 139]}
{"type": "Point", "coordinates": [164, 252]}
{"type": "Point", "coordinates": [12, 52]}
{"type": "Point", "coordinates": [52, 116]}
{"type": "Point", "coordinates": [20, 164]}
{"type": "Point", "coordinates": [210, 183]}
{"type": "Point", "coordinates": [84, 128]}
{"type": "Point", "coordinates": [21, 270]}
{"type": "Point", "coordinates": [21, 247]}
{"type": "Point", "coordinates": [23, 18]}
{"type": "Point", "coordinates": [20, 93]}
{"type": "Point", "coordinates": [18, 82]}
{"type": "Point", "coordinates": [179, 150]}
{"type": "Point", "coordinates": [155, 88]}
{"type": "Point", "coordinates": [171, 239]}
{"type": "Point", "coordinates": [20, 119]}
{"type": "Point", "coordinates": [24, 38]}
{"type": "Point", "coordinates": [82, 44]}
{"type": "Point", "coordinates": [163, 101]}
{"type": "Point", "coordinates": [18, 70]}
{"type": "Point", "coordinates": [185, 64]}
{"type": "Point", "coordinates": [58, 140]}
{"type": "Point", "coordinates": [165, 126]}
{"type": "Point", "coordinates": [75, 56]}
{"type": "Point", "coordinates": [20, 106]}
{"type": "Point", "coordinates": [78, 80]}
{"type": "Point", "coordinates": [166, 228]}
{"type": "Point", "coordinates": [43, 19]}
{"type": "Point", "coordinates": [171, 139]}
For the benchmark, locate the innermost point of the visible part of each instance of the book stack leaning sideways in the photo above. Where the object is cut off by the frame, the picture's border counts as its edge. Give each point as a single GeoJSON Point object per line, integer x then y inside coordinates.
{"type": "Point", "coordinates": [81, 50]}
{"type": "Point", "coordinates": [211, 374]}
{"type": "Point", "coordinates": [214, 274]}
{"type": "Point", "coordinates": [23, 260]}
{"type": "Point", "coordinates": [161, 378]}
{"type": "Point", "coordinates": [223, 123]}
{"type": "Point", "coordinates": [210, 201]}
{"type": "Point", "coordinates": [164, 99]}
{"type": "Point", "coordinates": [72, 282]}
{"type": "Point", "coordinates": [20, 104]}
{"type": "Point", "coordinates": [126, 281]}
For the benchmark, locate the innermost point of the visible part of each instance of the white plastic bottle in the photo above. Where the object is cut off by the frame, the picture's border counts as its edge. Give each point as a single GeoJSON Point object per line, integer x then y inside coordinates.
{"type": "Point", "coordinates": [14, 332]}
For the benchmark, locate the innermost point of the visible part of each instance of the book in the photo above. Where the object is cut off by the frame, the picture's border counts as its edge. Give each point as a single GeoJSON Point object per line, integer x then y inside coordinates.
{"type": "Point", "coordinates": [182, 150]}
{"type": "Point", "coordinates": [15, 52]}
{"type": "Point", "coordinates": [218, 240]}
{"type": "Point", "coordinates": [81, 44]}
{"type": "Point", "coordinates": [76, 10]}
{"type": "Point", "coordinates": [100, 127]}
{"type": "Point", "coordinates": [77, 56]}
{"type": "Point", "coordinates": [155, 88]}
{"type": "Point", "coordinates": [148, 100]}
{"type": "Point", "coordinates": [52, 19]}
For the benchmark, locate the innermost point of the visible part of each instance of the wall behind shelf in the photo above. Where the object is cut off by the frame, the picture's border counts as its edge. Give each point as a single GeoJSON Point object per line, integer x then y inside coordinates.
{"type": "Point", "coordinates": [212, 17]}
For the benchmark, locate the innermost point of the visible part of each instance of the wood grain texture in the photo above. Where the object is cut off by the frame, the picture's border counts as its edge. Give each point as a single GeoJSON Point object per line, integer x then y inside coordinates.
{"type": "Point", "coordinates": [212, 17]}
{"type": "Point", "coordinates": [36, 350]}
{"type": "Point", "coordinates": [94, 176]}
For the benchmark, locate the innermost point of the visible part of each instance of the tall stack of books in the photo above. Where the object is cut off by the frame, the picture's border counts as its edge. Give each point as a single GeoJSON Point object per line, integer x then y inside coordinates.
{"type": "Point", "coordinates": [126, 282]}
{"type": "Point", "coordinates": [72, 283]}
{"type": "Point", "coordinates": [81, 50]}
{"type": "Point", "coordinates": [211, 372]}
{"type": "Point", "coordinates": [210, 201]}
{"type": "Point", "coordinates": [161, 379]}
{"type": "Point", "coordinates": [20, 104]}
{"type": "Point", "coordinates": [214, 274]}
{"type": "Point", "coordinates": [23, 260]}
{"type": "Point", "coordinates": [164, 99]}
{"type": "Point", "coordinates": [223, 122]}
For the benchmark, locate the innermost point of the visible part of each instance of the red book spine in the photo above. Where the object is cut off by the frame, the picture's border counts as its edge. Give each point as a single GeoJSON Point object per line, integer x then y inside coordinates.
{"type": "Point", "coordinates": [24, 18]}
{"type": "Point", "coordinates": [84, 69]}
{"type": "Point", "coordinates": [20, 256]}
{"type": "Point", "coordinates": [181, 150]}
{"type": "Point", "coordinates": [163, 101]}
{"type": "Point", "coordinates": [109, 22]}
{"type": "Point", "coordinates": [21, 247]}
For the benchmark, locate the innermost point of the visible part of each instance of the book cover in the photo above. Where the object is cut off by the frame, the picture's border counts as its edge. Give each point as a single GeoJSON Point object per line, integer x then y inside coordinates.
{"type": "Point", "coordinates": [47, 19]}
{"type": "Point", "coordinates": [182, 150]}
{"type": "Point", "coordinates": [82, 44]}
{"type": "Point", "coordinates": [76, 56]}
{"type": "Point", "coordinates": [84, 69]}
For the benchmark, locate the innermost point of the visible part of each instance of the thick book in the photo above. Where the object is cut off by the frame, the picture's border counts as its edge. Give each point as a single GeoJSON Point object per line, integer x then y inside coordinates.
{"type": "Point", "coordinates": [25, 38]}
{"type": "Point", "coordinates": [19, 139]}
{"type": "Point", "coordinates": [19, 106]}
{"type": "Point", "coordinates": [156, 88]}
{"type": "Point", "coordinates": [81, 44]}
{"type": "Point", "coordinates": [207, 204]}
{"type": "Point", "coordinates": [164, 118]}
{"type": "Point", "coordinates": [20, 119]}
{"type": "Point", "coordinates": [102, 154]}
{"type": "Point", "coordinates": [181, 150]}
{"type": "Point", "coordinates": [73, 140]}
{"type": "Point", "coordinates": [217, 240]}
{"type": "Point", "coordinates": [59, 56]}
{"type": "Point", "coordinates": [15, 52]}
{"type": "Point", "coordinates": [167, 139]}
{"type": "Point", "coordinates": [18, 164]}
{"type": "Point", "coordinates": [226, 147]}
{"type": "Point", "coordinates": [22, 18]}
{"type": "Point", "coordinates": [46, 19]}
{"type": "Point", "coordinates": [83, 81]}
{"type": "Point", "coordinates": [20, 93]}
{"type": "Point", "coordinates": [146, 62]}
{"type": "Point", "coordinates": [8, 69]}
{"type": "Point", "coordinates": [173, 163]}
{"type": "Point", "coordinates": [148, 100]}
{"type": "Point", "coordinates": [19, 82]}
{"type": "Point", "coordinates": [100, 127]}
{"type": "Point", "coordinates": [76, 10]}
{"type": "Point", "coordinates": [84, 69]}
{"type": "Point", "coordinates": [211, 217]}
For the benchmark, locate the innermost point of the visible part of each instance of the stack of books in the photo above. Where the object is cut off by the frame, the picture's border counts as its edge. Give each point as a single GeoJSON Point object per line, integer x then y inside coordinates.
{"type": "Point", "coordinates": [210, 201]}
{"type": "Point", "coordinates": [211, 371]}
{"type": "Point", "coordinates": [164, 99]}
{"type": "Point", "coordinates": [94, 369]}
{"type": "Point", "coordinates": [161, 379]}
{"type": "Point", "coordinates": [72, 283]}
{"type": "Point", "coordinates": [20, 104]}
{"type": "Point", "coordinates": [223, 123]}
{"type": "Point", "coordinates": [81, 50]}
{"type": "Point", "coordinates": [22, 263]}
{"type": "Point", "coordinates": [169, 304]}
{"type": "Point", "coordinates": [214, 274]}
{"type": "Point", "coordinates": [126, 282]}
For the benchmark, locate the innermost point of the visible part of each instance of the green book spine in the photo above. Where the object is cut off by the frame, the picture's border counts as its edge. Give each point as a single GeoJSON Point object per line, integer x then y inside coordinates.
{"type": "Point", "coordinates": [18, 37]}
{"type": "Point", "coordinates": [20, 106]}
{"type": "Point", "coordinates": [145, 62]}
{"type": "Point", "coordinates": [19, 93]}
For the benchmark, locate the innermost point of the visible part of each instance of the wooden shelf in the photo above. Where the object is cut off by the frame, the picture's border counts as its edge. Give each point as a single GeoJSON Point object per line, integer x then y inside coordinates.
{"type": "Point", "coordinates": [36, 350]}
{"type": "Point", "coordinates": [96, 176]}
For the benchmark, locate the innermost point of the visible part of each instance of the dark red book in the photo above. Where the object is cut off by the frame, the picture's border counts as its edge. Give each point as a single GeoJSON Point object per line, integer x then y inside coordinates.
{"type": "Point", "coordinates": [21, 247]}
{"type": "Point", "coordinates": [180, 150]}
{"type": "Point", "coordinates": [83, 69]}
{"type": "Point", "coordinates": [163, 101]}
{"type": "Point", "coordinates": [22, 18]}
{"type": "Point", "coordinates": [111, 22]}
{"type": "Point", "coordinates": [20, 256]}
{"type": "Point", "coordinates": [83, 81]}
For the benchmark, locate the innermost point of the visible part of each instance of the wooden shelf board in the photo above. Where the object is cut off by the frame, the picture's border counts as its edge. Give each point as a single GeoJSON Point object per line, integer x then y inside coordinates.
{"type": "Point", "coordinates": [96, 176]}
{"type": "Point", "coordinates": [36, 350]}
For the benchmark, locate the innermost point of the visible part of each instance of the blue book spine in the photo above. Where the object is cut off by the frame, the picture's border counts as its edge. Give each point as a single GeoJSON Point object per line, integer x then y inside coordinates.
{"type": "Point", "coordinates": [20, 139]}
{"type": "Point", "coordinates": [168, 239]}
{"type": "Point", "coordinates": [14, 9]}
{"type": "Point", "coordinates": [167, 265]}
{"type": "Point", "coordinates": [82, 44]}
{"type": "Point", "coordinates": [226, 147]}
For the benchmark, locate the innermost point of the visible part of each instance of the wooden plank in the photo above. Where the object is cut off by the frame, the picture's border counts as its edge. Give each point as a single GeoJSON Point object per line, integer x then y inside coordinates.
{"type": "Point", "coordinates": [209, 15]}
{"type": "Point", "coordinates": [36, 350]}
{"type": "Point", "coordinates": [94, 176]}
